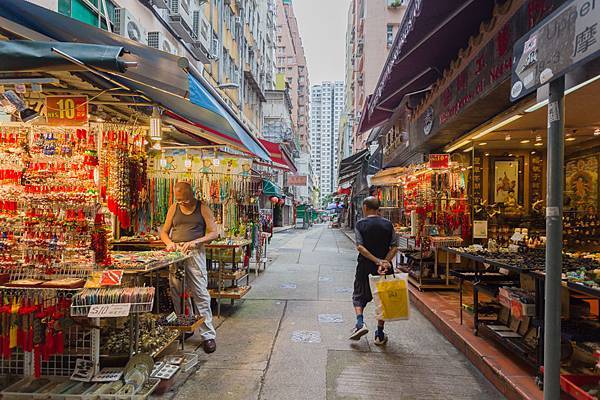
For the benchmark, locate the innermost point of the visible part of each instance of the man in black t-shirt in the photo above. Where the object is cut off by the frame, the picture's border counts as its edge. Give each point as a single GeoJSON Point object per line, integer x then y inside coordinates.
{"type": "Point", "coordinates": [377, 244]}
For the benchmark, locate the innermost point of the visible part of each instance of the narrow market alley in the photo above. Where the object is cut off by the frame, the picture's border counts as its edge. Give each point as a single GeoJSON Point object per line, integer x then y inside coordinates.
{"type": "Point", "coordinates": [289, 338]}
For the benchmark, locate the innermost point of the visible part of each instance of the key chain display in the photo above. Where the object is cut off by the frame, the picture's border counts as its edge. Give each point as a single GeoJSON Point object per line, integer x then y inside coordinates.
{"type": "Point", "coordinates": [49, 201]}
{"type": "Point", "coordinates": [69, 197]}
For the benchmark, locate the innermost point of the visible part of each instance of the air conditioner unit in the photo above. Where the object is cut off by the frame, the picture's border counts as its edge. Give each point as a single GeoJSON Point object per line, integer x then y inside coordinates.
{"type": "Point", "coordinates": [238, 23]}
{"type": "Point", "coordinates": [164, 4]}
{"type": "Point", "coordinates": [214, 49]}
{"type": "Point", "coordinates": [181, 19]}
{"type": "Point", "coordinates": [126, 25]}
{"type": "Point", "coordinates": [158, 41]}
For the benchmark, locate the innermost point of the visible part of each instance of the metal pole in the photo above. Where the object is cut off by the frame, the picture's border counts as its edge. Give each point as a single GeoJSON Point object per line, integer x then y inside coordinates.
{"type": "Point", "coordinates": [556, 124]}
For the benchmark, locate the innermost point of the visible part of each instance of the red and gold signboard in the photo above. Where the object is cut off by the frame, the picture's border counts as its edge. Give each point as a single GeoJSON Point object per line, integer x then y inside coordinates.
{"type": "Point", "coordinates": [297, 180]}
{"type": "Point", "coordinates": [439, 161]}
{"type": "Point", "coordinates": [67, 110]}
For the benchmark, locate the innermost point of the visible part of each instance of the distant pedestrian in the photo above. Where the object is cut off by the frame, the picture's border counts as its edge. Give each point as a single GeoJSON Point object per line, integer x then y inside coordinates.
{"type": "Point", "coordinates": [376, 243]}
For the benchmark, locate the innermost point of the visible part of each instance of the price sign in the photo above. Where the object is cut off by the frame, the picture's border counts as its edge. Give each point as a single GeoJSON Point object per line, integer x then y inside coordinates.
{"type": "Point", "coordinates": [480, 229]}
{"type": "Point", "coordinates": [438, 161]}
{"type": "Point", "coordinates": [67, 110]}
{"type": "Point", "coordinates": [109, 310]}
{"type": "Point", "coordinates": [111, 277]}
{"type": "Point", "coordinates": [171, 317]}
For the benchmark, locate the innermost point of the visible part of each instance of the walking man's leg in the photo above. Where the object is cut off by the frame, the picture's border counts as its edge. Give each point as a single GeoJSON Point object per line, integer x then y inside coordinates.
{"type": "Point", "coordinates": [360, 298]}
{"type": "Point", "coordinates": [380, 337]}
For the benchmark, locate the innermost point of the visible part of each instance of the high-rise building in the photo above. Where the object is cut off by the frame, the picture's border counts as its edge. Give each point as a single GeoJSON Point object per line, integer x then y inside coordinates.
{"type": "Point", "coordinates": [326, 105]}
{"type": "Point", "coordinates": [291, 70]}
{"type": "Point", "coordinates": [372, 26]}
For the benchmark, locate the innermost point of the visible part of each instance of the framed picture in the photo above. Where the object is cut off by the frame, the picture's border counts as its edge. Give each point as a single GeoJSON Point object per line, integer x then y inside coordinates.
{"type": "Point", "coordinates": [581, 186]}
{"type": "Point", "coordinates": [506, 181]}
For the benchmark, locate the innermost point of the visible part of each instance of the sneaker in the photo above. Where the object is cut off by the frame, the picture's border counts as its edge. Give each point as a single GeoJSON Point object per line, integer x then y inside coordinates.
{"type": "Point", "coordinates": [357, 332]}
{"type": "Point", "coordinates": [380, 340]}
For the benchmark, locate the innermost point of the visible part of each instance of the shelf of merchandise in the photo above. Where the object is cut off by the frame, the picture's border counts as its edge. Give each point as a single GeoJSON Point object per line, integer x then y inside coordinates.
{"type": "Point", "coordinates": [231, 294]}
{"type": "Point", "coordinates": [226, 270]}
{"type": "Point", "coordinates": [190, 328]}
{"type": "Point", "coordinates": [233, 275]}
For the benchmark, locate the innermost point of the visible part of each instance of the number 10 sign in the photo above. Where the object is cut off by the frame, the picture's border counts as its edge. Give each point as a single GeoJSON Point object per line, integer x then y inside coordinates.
{"type": "Point", "coordinates": [67, 110]}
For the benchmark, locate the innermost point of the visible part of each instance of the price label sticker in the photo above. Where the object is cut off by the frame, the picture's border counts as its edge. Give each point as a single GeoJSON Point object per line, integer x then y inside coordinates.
{"type": "Point", "coordinates": [171, 317]}
{"type": "Point", "coordinates": [109, 310]}
{"type": "Point", "coordinates": [111, 277]}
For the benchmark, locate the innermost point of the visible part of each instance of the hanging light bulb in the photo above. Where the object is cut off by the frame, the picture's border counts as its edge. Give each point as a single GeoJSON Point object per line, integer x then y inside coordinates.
{"type": "Point", "coordinates": [597, 132]}
{"type": "Point", "coordinates": [155, 125]}
{"type": "Point", "coordinates": [507, 137]}
{"type": "Point", "coordinates": [538, 138]}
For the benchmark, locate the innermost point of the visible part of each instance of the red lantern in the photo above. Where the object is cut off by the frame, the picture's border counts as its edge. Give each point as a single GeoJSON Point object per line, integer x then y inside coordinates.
{"type": "Point", "coordinates": [274, 200]}
{"type": "Point", "coordinates": [281, 202]}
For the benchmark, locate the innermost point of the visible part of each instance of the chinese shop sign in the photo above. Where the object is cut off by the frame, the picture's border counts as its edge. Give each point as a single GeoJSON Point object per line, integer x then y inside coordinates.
{"type": "Point", "coordinates": [67, 110]}
{"type": "Point", "coordinates": [439, 161]}
{"type": "Point", "coordinates": [482, 74]}
{"type": "Point", "coordinates": [568, 38]}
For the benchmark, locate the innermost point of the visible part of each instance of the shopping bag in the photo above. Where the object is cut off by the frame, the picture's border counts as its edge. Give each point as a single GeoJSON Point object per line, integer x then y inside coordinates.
{"type": "Point", "coordinates": [390, 295]}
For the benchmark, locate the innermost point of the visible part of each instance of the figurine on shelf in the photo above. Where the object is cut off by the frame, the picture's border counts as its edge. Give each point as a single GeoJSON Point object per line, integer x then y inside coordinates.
{"type": "Point", "coordinates": [190, 224]}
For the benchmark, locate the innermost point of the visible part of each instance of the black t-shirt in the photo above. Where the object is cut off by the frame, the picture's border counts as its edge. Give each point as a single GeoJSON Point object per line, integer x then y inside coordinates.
{"type": "Point", "coordinates": [377, 235]}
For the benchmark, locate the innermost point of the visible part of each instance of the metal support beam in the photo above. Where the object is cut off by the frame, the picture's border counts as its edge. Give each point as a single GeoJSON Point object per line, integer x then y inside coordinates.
{"type": "Point", "coordinates": [554, 212]}
{"type": "Point", "coordinates": [91, 92]}
{"type": "Point", "coordinates": [20, 81]}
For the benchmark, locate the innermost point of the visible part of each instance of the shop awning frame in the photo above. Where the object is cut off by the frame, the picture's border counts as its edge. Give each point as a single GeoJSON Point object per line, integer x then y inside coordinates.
{"type": "Point", "coordinates": [280, 157]}
{"type": "Point", "coordinates": [412, 66]}
{"type": "Point", "coordinates": [164, 78]}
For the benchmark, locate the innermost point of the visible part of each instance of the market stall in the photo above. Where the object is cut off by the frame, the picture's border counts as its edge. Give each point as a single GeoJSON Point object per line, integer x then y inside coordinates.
{"type": "Point", "coordinates": [66, 193]}
{"type": "Point", "coordinates": [505, 268]}
{"type": "Point", "coordinates": [55, 180]}
{"type": "Point", "coordinates": [429, 206]}
{"type": "Point", "coordinates": [85, 304]}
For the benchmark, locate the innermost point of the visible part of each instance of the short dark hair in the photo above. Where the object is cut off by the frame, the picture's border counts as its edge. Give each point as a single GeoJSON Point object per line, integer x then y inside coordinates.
{"type": "Point", "coordinates": [372, 203]}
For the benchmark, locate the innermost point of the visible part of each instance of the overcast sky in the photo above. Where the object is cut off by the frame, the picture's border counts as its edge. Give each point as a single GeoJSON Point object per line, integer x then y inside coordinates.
{"type": "Point", "coordinates": [322, 26]}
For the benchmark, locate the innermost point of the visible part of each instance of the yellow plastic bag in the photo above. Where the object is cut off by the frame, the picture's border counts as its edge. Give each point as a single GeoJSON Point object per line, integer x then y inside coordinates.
{"type": "Point", "coordinates": [390, 295]}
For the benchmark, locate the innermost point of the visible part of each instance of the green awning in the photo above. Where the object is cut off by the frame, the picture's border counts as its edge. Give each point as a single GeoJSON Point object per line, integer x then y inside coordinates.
{"type": "Point", "coordinates": [25, 55]}
{"type": "Point", "coordinates": [271, 189]}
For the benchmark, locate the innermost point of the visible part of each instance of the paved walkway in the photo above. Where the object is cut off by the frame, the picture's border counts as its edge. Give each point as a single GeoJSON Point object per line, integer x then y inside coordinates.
{"type": "Point", "coordinates": [288, 339]}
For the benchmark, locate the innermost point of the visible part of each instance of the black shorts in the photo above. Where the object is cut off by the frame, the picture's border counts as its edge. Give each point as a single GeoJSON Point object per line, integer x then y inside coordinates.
{"type": "Point", "coordinates": [362, 291]}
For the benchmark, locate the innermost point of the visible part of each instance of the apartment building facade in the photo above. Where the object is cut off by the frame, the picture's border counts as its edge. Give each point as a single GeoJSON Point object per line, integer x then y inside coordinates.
{"type": "Point", "coordinates": [372, 26]}
{"type": "Point", "coordinates": [347, 122]}
{"type": "Point", "coordinates": [326, 106]}
{"type": "Point", "coordinates": [231, 42]}
{"type": "Point", "coordinates": [292, 70]}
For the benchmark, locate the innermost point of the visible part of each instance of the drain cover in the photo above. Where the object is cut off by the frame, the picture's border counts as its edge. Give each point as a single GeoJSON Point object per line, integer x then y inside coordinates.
{"type": "Point", "coordinates": [331, 318]}
{"type": "Point", "coordinates": [343, 290]}
{"type": "Point", "coordinates": [306, 337]}
{"type": "Point", "coordinates": [288, 286]}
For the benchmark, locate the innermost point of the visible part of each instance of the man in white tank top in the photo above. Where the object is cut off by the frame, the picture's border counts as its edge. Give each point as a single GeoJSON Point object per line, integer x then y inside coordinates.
{"type": "Point", "coordinates": [188, 227]}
